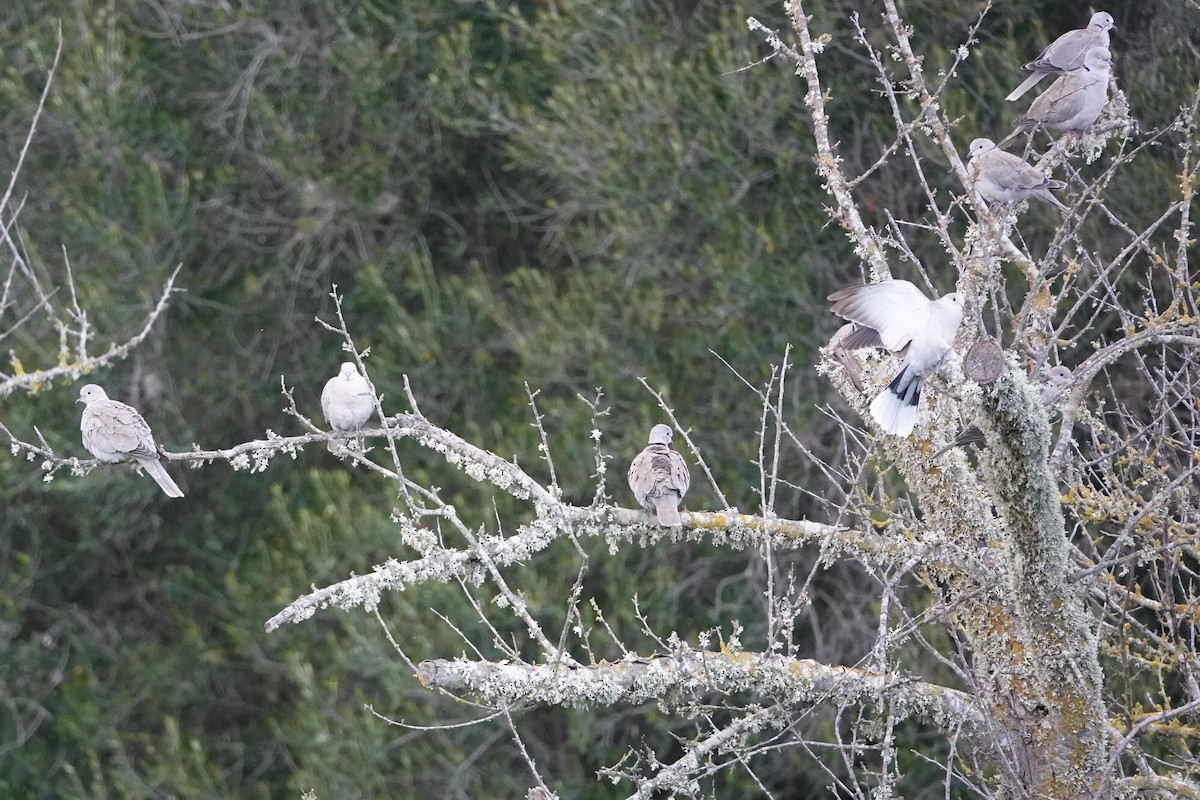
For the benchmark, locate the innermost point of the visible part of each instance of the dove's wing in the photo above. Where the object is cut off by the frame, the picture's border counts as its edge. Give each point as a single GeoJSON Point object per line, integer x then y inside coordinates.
{"type": "Point", "coordinates": [112, 431]}
{"type": "Point", "coordinates": [892, 308]}
{"type": "Point", "coordinates": [679, 479]}
{"type": "Point", "coordinates": [328, 398]}
{"type": "Point", "coordinates": [641, 475]}
{"type": "Point", "coordinates": [1014, 174]}
{"type": "Point", "coordinates": [1011, 179]}
{"type": "Point", "coordinates": [1061, 102]}
{"type": "Point", "coordinates": [1067, 51]}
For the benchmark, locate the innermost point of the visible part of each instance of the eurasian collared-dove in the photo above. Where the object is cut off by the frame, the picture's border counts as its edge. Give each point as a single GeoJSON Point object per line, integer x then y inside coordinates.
{"type": "Point", "coordinates": [659, 477]}
{"type": "Point", "coordinates": [906, 321]}
{"type": "Point", "coordinates": [113, 431]}
{"type": "Point", "coordinates": [1072, 102]}
{"type": "Point", "coordinates": [1057, 379]}
{"type": "Point", "coordinates": [346, 401]}
{"type": "Point", "coordinates": [1003, 179]}
{"type": "Point", "coordinates": [1066, 52]}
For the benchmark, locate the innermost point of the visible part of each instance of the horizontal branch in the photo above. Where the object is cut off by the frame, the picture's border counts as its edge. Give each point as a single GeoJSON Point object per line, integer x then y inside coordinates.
{"type": "Point", "coordinates": [791, 682]}
{"type": "Point", "coordinates": [255, 455]}
{"type": "Point", "coordinates": [614, 525]}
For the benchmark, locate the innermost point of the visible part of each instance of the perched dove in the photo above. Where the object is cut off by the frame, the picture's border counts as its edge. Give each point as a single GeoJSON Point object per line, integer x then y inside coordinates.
{"type": "Point", "coordinates": [659, 477]}
{"type": "Point", "coordinates": [113, 432]}
{"type": "Point", "coordinates": [346, 401]}
{"type": "Point", "coordinates": [1003, 179]}
{"type": "Point", "coordinates": [1056, 380]}
{"type": "Point", "coordinates": [1066, 52]}
{"type": "Point", "coordinates": [908, 323]}
{"type": "Point", "coordinates": [1072, 102]}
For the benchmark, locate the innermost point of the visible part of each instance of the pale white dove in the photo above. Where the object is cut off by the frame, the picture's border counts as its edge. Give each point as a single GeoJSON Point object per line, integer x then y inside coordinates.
{"type": "Point", "coordinates": [1066, 52]}
{"type": "Point", "coordinates": [909, 324]}
{"type": "Point", "coordinates": [659, 477]}
{"type": "Point", "coordinates": [1003, 179]}
{"type": "Point", "coordinates": [1057, 379]}
{"type": "Point", "coordinates": [1074, 101]}
{"type": "Point", "coordinates": [114, 431]}
{"type": "Point", "coordinates": [346, 401]}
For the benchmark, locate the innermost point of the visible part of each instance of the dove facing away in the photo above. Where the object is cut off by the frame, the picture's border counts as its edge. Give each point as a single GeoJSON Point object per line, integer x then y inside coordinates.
{"type": "Point", "coordinates": [1066, 52]}
{"type": "Point", "coordinates": [659, 477]}
{"type": "Point", "coordinates": [907, 323]}
{"type": "Point", "coordinates": [1073, 101]}
{"type": "Point", "coordinates": [113, 431]}
{"type": "Point", "coordinates": [347, 401]}
{"type": "Point", "coordinates": [1057, 379]}
{"type": "Point", "coordinates": [1003, 179]}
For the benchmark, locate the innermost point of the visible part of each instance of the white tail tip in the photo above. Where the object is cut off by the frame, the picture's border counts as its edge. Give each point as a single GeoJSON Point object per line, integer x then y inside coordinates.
{"type": "Point", "coordinates": [893, 414]}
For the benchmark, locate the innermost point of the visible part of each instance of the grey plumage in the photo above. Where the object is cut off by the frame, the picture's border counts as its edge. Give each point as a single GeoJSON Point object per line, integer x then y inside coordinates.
{"type": "Point", "coordinates": [346, 401]}
{"type": "Point", "coordinates": [1004, 179]}
{"type": "Point", "coordinates": [113, 431]}
{"type": "Point", "coordinates": [1057, 379]}
{"type": "Point", "coordinates": [907, 323]}
{"type": "Point", "coordinates": [659, 477]}
{"type": "Point", "coordinates": [851, 337]}
{"type": "Point", "coordinates": [1074, 101]}
{"type": "Point", "coordinates": [1066, 52]}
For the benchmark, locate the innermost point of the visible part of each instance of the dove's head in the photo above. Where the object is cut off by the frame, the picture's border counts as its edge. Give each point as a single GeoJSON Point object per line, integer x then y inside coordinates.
{"type": "Point", "coordinates": [952, 306]}
{"type": "Point", "coordinates": [1098, 58]}
{"type": "Point", "coordinates": [1058, 377]}
{"type": "Point", "coordinates": [660, 434]}
{"type": "Point", "coordinates": [1057, 380]}
{"type": "Point", "coordinates": [90, 394]}
{"type": "Point", "coordinates": [1101, 21]}
{"type": "Point", "coordinates": [980, 146]}
{"type": "Point", "coordinates": [348, 370]}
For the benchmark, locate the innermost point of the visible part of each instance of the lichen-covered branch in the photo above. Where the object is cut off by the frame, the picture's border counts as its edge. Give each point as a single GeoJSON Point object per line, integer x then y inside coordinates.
{"type": "Point", "coordinates": [866, 243]}
{"type": "Point", "coordinates": [690, 674]}
{"type": "Point", "coordinates": [614, 525]}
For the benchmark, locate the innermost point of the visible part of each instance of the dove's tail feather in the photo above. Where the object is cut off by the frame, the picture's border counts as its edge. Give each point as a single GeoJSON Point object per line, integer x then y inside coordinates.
{"type": "Point", "coordinates": [968, 435]}
{"type": "Point", "coordinates": [666, 506]}
{"type": "Point", "coordinates": [1045, 196]}
{"type": "Point", "coordinates": [1021, 124]}
{"type": "Point", "coordinates": [895, 408]}
{"type": "Point", "coordinates": [157, 471]}
{"type": "Point", "coordinates": [1026, 85]}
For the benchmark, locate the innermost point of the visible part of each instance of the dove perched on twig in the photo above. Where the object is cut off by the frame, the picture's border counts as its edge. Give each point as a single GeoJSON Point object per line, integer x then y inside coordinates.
{"type": "Point", "coordinates": [1003, 179]}
{"type": "Point", "coordinates": [347, 401]}
{"type": "Point", "coordinates": [113, 431]}
{"type": "Point", "coordinates": [659, 477]}
{"type": "Point", "coordinates": [907, 323]}
{"type": "Point", "coordinates": [1074, 101]}
{"type": "Point", "coordinates": [1057, 379]}
{"type": "Point", "coordinates": [1067, 52]}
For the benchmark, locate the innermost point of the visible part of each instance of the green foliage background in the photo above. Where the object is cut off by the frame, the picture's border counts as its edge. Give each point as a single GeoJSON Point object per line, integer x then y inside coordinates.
{"type": "Point", "coordinates": [568, 196]}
